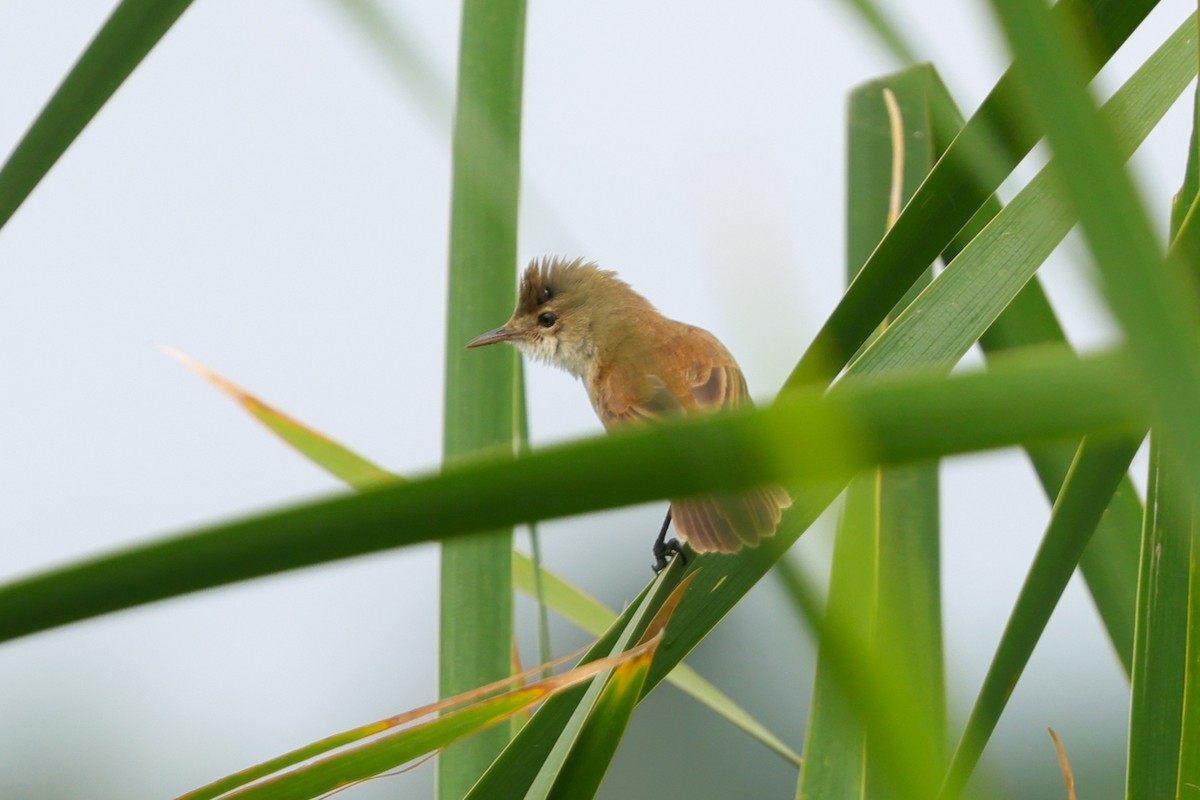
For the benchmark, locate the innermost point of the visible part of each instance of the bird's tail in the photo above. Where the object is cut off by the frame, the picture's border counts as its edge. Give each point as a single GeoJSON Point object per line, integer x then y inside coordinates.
{"type": "Point", "coordinates": [727, 522]}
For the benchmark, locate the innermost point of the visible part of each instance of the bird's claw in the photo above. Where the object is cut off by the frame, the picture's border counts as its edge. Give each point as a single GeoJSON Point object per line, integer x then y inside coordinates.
{"type": "Point", "coordinates": [665, 551]}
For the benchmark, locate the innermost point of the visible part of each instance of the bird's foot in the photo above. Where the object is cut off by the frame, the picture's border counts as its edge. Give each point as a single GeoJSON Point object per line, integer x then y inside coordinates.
{"type": "Point", "coordinates": [665, 551]}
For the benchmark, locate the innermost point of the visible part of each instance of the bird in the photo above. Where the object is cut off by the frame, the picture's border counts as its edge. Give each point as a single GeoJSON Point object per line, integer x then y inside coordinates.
{"type": "Point", "coordinates": [640, 367]}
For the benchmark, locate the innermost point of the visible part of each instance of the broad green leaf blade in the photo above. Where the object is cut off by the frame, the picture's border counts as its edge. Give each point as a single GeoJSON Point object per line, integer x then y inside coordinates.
{"type": "Point", "coordinates": [517, 768]}
{"type": "Point", "coordinates": [907, 612]}
{"type": "Point", "coordinates": [129, 33]}
{"type": "Point", "coordinates": [1185, 206]}
{"type": "Point", "coordinates": [924, 332]}
{"type": "Point", "coordinates": [1160, 645]}
{"type": "Point", "coordinates": [592, 749]}
{"type": "Point", "coordinates": [886, 587]}
{"type": "Point", "coordinates": [872, 691]}
{"type": "Point", "coordinates": [971, 293]}
{"type": "Point", "coordinates": [1186, 237]}
{"type": "Point", "coordinates": [907, 639]}
{"type": "Point", "coordinates": [991, 273]}
{"type": "Point", "coordinates": [1152, 299]}
{"type": "Point", "coordinates": [835, 742]}
{"type": "Point", "coordinates": [897, 419]}
{"type": "Point", "coordinates": [1159, 758]}
{"type": "Point", "coordinates": [890, 151]}
{"type": "Point", "coordinates": [1157, 308]}
{"type": "Point", "coordinates": [981, 156]}
{"type": "Point", "coordinates": [1187, 240]}
{"type": "Point", "coordinates": [1189, 736]}
{"type": "Point", "coordinates": [1184, 199]}
{"type": "Point", "coordinates": [1099, 468]}
{"type": "Point", "coordinates": [530, 764]}
{"type": "Point", "coordinates": [1110, 563]}
{"type": "Point", "coordinates": [476, 626]}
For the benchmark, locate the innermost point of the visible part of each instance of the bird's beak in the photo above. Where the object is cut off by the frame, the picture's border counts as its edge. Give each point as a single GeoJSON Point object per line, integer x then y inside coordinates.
{"type": "Point", "coordinates": [503, 334]}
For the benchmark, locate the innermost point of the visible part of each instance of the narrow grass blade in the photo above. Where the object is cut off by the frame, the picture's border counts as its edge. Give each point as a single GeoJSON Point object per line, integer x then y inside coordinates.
{"type": "Point", "coordinates": [481, 388]}
{"type": "Point", "coordinates": [459, 717]}
{"type": "Point", "coordinates": [404, 54]}
{"type": "Point", "coordinates": [1185, 227]}
{"type": "Point", "coordinates": [1160, 645]}
{"type": "Point", "coordinates": [885, 582]}
{"type": "Point", "coordinates": [592, 616]}
{"type": "Point", "coordinates": [592, 749]}
{"type": "Point", "coordinates": [691, 682]}
{"type": "Point", "coordinates": [535, 537]}
{"type": "Point", "coordinates": [1110, 562]}
{"type": "Point", "coordinates": [584, 769]}
{"type": "Point", "coordinates": [1064, 764]}
{"type": "Point", "coordinates": [1188, 192]}
{"type": "Point", "coordinates": [995, 139]}
{"type": "Point", "coordinates": [331, 456]}
{"type": "Point", "coordinates": [344, 739]}
{"type": "Point", "coordinates": [885, 30]}
{"type": "Point", "coordinates": [899, 419]}
{"type": "Point", "coordinates": [1188, 780]}
{"type": "Point", "coordinates": [530, 764]}
{"type": "Point", "coordinates": [1185, 206]}
{"type": "Point", "coordinates": [130, 32]}
{"type": "Point", "coordinates": [567, 600]}
{"type": "Point", "coordinates": [1099, 467]}
{"type": "Point", "coordinates": [1187, 241]}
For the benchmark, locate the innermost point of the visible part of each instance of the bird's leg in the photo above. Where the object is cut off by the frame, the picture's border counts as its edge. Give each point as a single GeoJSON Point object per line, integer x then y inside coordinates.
{"type": "Point", "coordinates": [665, 550]}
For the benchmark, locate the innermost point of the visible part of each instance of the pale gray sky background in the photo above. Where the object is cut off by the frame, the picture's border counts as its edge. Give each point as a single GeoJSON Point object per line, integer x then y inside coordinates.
{"type": "Point", "coordinates": [267, 195]}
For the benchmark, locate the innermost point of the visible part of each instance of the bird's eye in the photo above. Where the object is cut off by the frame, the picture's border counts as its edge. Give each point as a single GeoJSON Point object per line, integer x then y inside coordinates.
{"type": "Point", "coordinates": [546, 294]}
{"type": "Point", "coordinates": [547, 319]}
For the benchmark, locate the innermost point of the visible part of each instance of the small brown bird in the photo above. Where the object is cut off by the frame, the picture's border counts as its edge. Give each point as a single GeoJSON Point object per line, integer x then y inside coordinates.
{"type": "Point", "coordinates": [639, 366]}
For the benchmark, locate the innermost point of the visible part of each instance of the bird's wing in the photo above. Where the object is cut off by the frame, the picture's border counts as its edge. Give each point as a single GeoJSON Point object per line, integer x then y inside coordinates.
{"type": "Point", "coordinates": [723, 387]}
{"type": "Point", "coordinates": [651, 398]}
{"type": "Point", "coordinates": [706, 379]}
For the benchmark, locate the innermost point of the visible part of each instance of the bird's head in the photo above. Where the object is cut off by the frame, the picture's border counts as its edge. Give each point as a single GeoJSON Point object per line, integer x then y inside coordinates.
{"type": "Point", "coordinates": [566, 312]}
